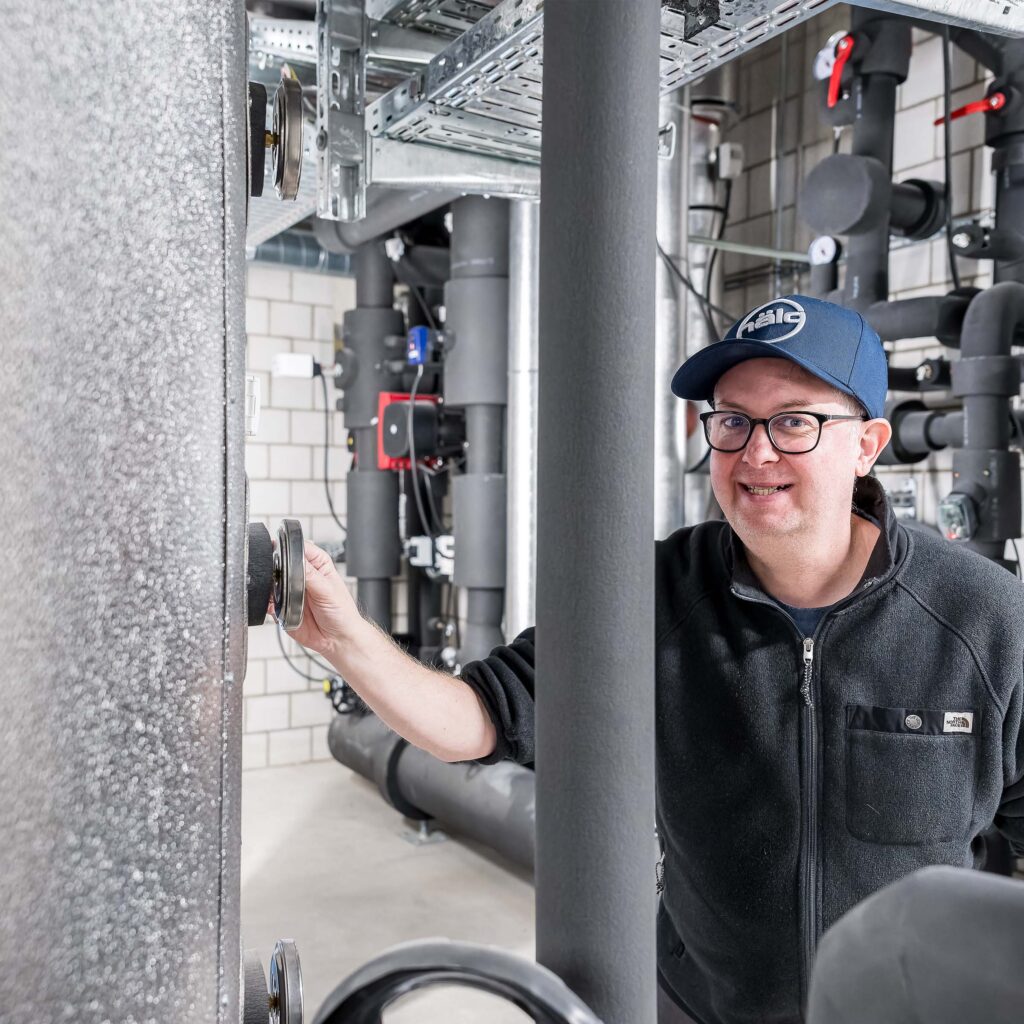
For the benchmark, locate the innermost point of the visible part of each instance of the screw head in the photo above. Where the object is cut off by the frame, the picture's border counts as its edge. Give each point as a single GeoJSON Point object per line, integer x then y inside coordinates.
{"type": "Point", "coordinates": [961, 240]}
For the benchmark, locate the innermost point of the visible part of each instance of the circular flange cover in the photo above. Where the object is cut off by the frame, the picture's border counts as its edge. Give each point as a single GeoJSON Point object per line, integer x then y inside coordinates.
{"type": "Point", "coordinates": [285, 984]}
{"type": "Point", "coordinates": [288, 131]}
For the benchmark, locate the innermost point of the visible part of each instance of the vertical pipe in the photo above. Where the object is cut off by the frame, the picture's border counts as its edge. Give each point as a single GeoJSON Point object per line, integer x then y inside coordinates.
{"type": "Point", "coordinates": [123, 498]}
{"type": "Point", "coordinates": [672, 302]}
{"type": "Point", "coordinates": [476, 379]}
{"type": "Point", "coordinates": [521, 444]}
{"type": "Point", "coordinates": [595, 588]}
{"type": "Point", "coordinates": [371, 349]}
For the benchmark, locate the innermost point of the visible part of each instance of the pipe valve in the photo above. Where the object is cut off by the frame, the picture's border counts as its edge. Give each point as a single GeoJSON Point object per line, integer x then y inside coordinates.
{"type": "Point", "coordinates": [989, 105]}
{"type": "Point", "coordinates": [843, 50]}
{"type": "Point", "coordinates": [276, 571]}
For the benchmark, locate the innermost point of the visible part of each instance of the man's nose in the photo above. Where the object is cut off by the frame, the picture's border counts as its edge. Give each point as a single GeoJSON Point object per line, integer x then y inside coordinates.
{"type": "Point", "coordinates": [759, 448]}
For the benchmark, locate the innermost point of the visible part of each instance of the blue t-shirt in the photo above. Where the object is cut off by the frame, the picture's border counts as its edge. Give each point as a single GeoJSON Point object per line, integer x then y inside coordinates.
{"type": "Point", "coordinates": [806, 619]}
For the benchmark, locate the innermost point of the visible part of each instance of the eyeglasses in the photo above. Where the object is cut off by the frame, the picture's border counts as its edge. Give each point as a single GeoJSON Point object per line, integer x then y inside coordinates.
{"type": "Point", "coordinates": [792, 433]}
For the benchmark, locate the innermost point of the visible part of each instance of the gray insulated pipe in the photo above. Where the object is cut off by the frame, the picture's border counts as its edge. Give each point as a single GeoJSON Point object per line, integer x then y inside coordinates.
{"type": "Point", "coordinates": [491, 804]}
{"type": "Point", "coordinates": [121, 737]}
{"type": "Point", "coordinates": [372, 345]}
{"type": "Point", "coordinates": [986, 377]}
{"type": "Point", "coordinates": [476, 379]}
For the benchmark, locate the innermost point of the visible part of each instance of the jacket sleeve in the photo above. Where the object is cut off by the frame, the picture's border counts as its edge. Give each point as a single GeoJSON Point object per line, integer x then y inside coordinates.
{"type": "Point", "coordinates": [504, 682]}
{"type": "Point", "coordinates": [1010, 816]}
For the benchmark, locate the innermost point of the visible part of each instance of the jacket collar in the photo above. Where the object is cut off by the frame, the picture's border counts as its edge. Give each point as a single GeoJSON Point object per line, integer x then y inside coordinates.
{"type": "Point", "coordinates": [870, 502]}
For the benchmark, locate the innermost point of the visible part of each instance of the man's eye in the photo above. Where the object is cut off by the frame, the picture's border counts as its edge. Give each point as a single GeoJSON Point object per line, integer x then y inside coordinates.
{"type": "Point", "coordinates": [734, 422]}
{"type": "Point", "coordinates": [794, 423]}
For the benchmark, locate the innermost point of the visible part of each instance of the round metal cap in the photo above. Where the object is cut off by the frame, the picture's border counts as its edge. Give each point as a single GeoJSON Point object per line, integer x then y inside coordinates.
{"type": "Point", "coordinates": [285, 984]}
{"type": "Point", "coordinates": [288, 131]}
{"type": "Point", "coordinates": [289, 574]}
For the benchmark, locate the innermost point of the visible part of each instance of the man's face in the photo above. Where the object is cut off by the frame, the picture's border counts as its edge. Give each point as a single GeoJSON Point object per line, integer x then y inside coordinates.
{"type": "Point", "coordinates": [817, 485]}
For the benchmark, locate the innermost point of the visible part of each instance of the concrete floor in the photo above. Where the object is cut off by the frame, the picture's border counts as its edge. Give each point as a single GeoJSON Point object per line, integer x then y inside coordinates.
{"type": "Point", "coordinates": [325, 862]}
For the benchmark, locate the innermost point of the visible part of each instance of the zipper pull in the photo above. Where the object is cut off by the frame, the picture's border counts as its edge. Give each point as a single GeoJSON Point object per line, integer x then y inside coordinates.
{"type": "Point", "coordinates": [805, 686]}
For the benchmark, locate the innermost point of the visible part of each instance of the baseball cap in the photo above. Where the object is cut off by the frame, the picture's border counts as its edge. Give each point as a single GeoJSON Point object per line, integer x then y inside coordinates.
{"type": "Point", "coordinates": [834, 343]}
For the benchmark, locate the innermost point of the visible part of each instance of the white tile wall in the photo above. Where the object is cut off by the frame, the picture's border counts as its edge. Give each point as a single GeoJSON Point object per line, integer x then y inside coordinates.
{"type": "Point", "coordinates": [286, 715]}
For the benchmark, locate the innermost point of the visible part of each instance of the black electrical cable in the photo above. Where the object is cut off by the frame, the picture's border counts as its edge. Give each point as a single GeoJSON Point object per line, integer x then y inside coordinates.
{"type": "Point", "coordinates": [947, 156]}
{"type": "Point", "coordinates": [295, 668]}
{"type": "Point", "coordinates": [705, 304]}
{"type": "Point", "coordinates": [417, 294]}
{"type": "Point", "coordinates": [327, 449]}
{"type": "Point", "coordinates": [413, 467]}
{"type": "Point", "coordinates": [710, 269]}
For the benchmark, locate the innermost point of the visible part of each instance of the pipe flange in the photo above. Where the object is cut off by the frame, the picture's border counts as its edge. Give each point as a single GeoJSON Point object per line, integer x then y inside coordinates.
{"type": "Point", "coordinates": [287, 132]}
{"type": "Point", "coordinates": [285, 984]}
{"type": "Point", "coordinates": [255, 1000]}
{"type": "Point", "coordinates": [289, 575]}
{"type": "Point", "coordinates": [260, 566]}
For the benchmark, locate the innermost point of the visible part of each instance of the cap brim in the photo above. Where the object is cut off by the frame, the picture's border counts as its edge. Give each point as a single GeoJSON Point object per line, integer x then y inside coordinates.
{"type": "Point", "coordinates": [697, 377]}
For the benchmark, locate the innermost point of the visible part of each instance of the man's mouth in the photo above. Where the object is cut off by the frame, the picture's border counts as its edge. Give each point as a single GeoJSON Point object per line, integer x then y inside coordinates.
{"type": "Point", "coordinates": [771, 489]}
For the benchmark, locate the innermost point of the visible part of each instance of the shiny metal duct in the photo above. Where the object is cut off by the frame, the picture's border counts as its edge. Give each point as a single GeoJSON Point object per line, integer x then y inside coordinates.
{"type": "Point", "coordinates": [521, 429]}
{"type": "Point", "coordinates": [709, 106]}
{"type": "Point", "coordinates": [122, 620]}
{"type": "Point", "coordinates": [672, 301]}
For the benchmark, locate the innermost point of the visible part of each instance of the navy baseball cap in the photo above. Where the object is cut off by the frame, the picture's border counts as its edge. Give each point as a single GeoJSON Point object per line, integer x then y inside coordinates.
{"type": "Point", "coordinates": [834, 343]}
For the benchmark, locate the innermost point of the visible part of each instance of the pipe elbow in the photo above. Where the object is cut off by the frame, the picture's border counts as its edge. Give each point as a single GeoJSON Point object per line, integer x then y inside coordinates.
{"type": "Point", "coordinates": [994, 320]}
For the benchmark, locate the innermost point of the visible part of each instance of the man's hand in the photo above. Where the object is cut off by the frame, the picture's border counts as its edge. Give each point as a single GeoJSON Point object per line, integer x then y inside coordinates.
{"type": "Point", "coordinates": [330, 617]}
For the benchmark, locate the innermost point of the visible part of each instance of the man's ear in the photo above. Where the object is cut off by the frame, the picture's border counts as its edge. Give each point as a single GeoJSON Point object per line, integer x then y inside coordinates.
{"type": "Point", "coordinates": [875, 436]}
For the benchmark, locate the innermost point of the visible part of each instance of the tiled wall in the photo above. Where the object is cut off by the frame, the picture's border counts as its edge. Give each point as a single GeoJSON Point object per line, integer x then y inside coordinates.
{"type": "Point", "coordinates": [286, 716]}
{"type": "Point", "coordinates": [918, 268]}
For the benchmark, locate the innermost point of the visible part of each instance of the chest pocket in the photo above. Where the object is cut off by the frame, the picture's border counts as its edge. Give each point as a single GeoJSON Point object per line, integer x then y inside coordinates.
{"type": "Point", "coordinates": [910, 773]}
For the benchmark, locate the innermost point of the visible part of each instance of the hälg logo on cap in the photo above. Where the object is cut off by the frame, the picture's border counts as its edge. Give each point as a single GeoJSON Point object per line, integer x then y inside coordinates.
{"type": "Point", "coordinates": [777, 313]}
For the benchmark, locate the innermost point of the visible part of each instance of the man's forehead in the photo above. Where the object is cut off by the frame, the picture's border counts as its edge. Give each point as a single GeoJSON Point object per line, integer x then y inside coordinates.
{"type": "Point", "coordinates": [788, 382]}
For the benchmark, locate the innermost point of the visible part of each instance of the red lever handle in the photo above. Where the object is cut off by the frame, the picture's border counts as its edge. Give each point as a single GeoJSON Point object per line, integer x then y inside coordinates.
{"type": "Point", "coordinates": [990, 103]}
{"type": "Point", "coordinates": [843, 50]}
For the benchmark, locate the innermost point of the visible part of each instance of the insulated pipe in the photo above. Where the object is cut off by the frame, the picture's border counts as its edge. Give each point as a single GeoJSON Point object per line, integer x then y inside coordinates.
{"type": "Point", "coordinates": [939, 316]}
{"type": "Point", "coordinates": [941, 945]}
{"type": "Point", "coordinates": [595, 586]}
{"type": "Point", "coordinates": [490, 804]}
{"type": "Point", "coordinates": [672, 300]}
{"type": "Point", "coordinates": [386, 210]}
{"type": "Point", "coordinates": [521, 436]}
{"type": "Point", "coordinates": [874, 86]}
{"type": "Point", "coordinates": [371, 360]}
{"type": "Point", "coordinates": [301, 249]}
{"type": "Point", "coordinates": [476, 379]}
{"type": "Point", "coordinates": [710, 99]}
{"type": "Point", "coordinates": [986, 377]}
{"type": "Point", "coordinates": [123, 499]}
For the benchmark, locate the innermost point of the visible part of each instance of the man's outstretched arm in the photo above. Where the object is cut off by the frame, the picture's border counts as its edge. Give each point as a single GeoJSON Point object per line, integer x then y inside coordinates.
{"type": "Point", "coordinates": [432, 710]}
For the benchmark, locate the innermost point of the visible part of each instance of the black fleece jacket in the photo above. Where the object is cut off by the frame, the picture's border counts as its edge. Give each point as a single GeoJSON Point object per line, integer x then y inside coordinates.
{"type": "Point", "coordinates": [795, 776]}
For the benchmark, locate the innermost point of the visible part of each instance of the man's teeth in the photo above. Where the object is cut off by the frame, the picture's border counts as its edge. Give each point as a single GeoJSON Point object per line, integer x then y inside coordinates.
{"type": "Point", "coordinates": [765, 490]}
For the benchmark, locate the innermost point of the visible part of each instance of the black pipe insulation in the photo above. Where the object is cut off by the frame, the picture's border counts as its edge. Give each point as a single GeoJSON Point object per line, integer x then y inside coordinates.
{"type": "Point", "coordinates": [476, 379]}
{"type": "Point", "coordinates": [386, 210]}
{"type": "Point", "coordinates": [986, 377]}
{"type": "Point", "coordinates": [938, 316]}
{"type": "Point", "coordinates": [876, 77]}
{"type": "Point", "coordinates": [490, 804]}
{"type": "Point", "coordinates": [942, 945]}
{"type": "Point", "coordinates": [371, 357]}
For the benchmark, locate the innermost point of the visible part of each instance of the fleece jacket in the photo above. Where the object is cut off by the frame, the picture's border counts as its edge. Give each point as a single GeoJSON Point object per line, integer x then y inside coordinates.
{"type": "Point", "coordinates": [796, 775]}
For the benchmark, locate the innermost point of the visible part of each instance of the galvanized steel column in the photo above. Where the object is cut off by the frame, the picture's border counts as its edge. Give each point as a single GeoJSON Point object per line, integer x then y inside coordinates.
{"type": "Point", "coordinates": [521, 447]}
{"type": "Point", "coordinates": [672, 301]}
{"type": "Point", "coordinates": [595, 588]}
{"type": "Point", "coordinates": [122, 618]}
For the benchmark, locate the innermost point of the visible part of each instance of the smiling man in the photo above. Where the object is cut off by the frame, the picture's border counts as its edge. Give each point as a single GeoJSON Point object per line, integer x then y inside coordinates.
{"type": "Point", "coordinates": [838, 699]}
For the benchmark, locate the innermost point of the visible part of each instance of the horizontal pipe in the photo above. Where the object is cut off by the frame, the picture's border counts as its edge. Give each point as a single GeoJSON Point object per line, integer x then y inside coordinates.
{"type": "Point", "coordinates": [750, 250]}
{"type": "Point", "coordinates": [386, 210]}
{"type": "Point", "coordinates": [490, 804]}
{"type": "Point", "coordinates": [300, 249]}
{"type": "Point", "coordinates": [929, 316]}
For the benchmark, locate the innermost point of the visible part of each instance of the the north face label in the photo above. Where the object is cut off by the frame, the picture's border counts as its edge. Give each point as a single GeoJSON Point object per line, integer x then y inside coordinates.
{"type": "Point", "coordinates": [958, 721]}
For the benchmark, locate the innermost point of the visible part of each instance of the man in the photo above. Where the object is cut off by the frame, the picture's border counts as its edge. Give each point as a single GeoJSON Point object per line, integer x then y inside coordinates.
{"type": "Point", "coordinates": [838, 698]}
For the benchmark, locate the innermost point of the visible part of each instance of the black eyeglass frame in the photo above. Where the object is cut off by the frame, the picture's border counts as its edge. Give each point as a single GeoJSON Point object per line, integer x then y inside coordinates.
{"type": "Point", "coordinates": [821, 417]}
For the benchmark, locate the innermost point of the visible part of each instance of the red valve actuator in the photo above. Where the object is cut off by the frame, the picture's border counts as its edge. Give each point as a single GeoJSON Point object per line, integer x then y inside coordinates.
{"type": "Point", "coordinates": [990, 103]}
{"type": "Point", "coordinates": [843, 50]}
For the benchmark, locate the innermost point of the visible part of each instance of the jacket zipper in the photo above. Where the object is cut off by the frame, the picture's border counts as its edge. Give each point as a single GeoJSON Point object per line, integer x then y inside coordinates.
{"type": "Point", "coordinates": [810, 839]}
{"type": "Point", "coordinates": [809, 842]}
